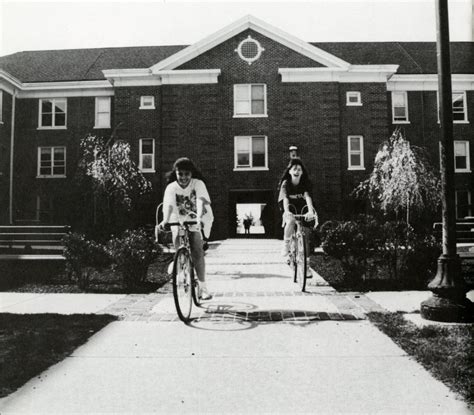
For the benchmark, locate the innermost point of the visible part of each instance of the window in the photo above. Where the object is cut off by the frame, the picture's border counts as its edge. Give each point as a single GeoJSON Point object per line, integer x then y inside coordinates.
{"type": "Point", "coordinates": [52, 113]}
{"type": "Point", "coordinates": [399, 107]}
{"type": "Point", "coordinates": [147, 155]}
{"type": "Point", "coordinates": [250, 100]}
{"type": "Point", "coordinates": [355, 151]}
{"type": "Point", "coordinates": [51, 161]}
{"type": "Point", "coordinates": [250, 153]}
{"type": "Point", "coordinates": [459, 107]}
{"type": "Point", "coordinates": [463, 204]}
{"type": "Point", "coordinates": [147, 102]}
{"type": "Point", "coordinates": [102, 112]}
{"type": "Point", "coordinates": [249, 50]}
{"type": "Point", "coordinates": [461, 156]}
{"type": "Point", "coordinates": [353, 98]}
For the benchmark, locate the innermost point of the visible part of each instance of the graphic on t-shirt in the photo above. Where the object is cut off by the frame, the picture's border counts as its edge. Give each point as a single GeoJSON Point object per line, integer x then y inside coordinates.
{"type": "Point", "coordinates": [186, 204]}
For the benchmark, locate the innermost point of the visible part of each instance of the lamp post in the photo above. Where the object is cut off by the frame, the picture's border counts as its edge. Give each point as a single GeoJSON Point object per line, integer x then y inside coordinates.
{"type": "Point", "coordinates": [448, 302]}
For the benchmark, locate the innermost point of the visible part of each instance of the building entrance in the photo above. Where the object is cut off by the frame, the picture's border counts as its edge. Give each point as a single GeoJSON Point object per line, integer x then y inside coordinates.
{"type": "Point", "coordinates": [252, 214]}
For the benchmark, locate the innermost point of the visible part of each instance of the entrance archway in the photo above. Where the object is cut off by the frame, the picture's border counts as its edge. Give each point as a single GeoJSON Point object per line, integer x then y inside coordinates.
{"type": "Point", "coordinates": [252, 213]}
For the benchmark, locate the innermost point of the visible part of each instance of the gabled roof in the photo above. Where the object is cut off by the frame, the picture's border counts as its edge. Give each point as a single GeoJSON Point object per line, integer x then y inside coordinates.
{"type": "Point", "coordinates": [259, 26]}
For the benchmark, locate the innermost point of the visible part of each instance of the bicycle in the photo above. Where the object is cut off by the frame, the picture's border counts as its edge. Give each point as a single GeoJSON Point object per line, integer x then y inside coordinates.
{"type": "Point", "coordinates": [185, 281]}
{"type": "Point", "coordinates": [298, 254]}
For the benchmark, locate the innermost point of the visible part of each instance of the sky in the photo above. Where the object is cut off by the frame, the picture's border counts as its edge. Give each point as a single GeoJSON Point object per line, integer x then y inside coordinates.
{"type": "Point", "coordinates": [39, 25]}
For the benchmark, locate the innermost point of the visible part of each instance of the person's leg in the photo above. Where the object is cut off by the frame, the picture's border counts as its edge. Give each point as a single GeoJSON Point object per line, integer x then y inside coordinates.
{"type": "Point", "coordinates": [197, 253]}
{"type": "Point", "coordinates": [288, 231]}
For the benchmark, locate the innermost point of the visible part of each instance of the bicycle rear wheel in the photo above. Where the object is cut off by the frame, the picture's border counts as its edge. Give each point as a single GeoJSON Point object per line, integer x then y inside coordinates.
{"type": "Point", "coordinates": [182, 284]}
{"type": "Point", "coordinates": [301, 260]}
{"type": "Point", "coordinates": [293, 255]}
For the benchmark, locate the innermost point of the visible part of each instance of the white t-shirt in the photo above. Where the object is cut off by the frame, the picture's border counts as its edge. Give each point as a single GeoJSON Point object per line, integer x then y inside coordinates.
{"type": "Point", "coordinates": [184, 200]}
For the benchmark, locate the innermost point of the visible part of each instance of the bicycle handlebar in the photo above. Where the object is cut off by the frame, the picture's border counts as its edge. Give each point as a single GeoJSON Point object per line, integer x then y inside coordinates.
{"type": "Point", "coordinates": [187, 222]}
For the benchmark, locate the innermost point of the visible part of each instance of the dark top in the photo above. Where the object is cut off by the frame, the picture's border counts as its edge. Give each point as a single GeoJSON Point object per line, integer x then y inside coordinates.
{"type": "Point", "coordinates": [295, 195]}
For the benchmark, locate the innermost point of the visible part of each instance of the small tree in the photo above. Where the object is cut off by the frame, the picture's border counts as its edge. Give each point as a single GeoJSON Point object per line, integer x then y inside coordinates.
{"type": "Point", "coordinates": [107, 172]}
{"type": "Point", "coordinates": [402, 180]}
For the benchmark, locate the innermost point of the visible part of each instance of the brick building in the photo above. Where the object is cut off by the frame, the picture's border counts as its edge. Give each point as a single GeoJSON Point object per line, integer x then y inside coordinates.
{"type": "Point", "coordinates": [233, 102]}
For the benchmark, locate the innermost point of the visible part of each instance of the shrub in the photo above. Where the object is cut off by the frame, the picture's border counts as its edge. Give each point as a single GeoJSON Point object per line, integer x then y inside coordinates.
{"type": "Point", "coordinates": [370, 249]}
{"type": "Point", "coordinates": [132, 254]}
{"type": "Point", "coordinates": [83, 256]}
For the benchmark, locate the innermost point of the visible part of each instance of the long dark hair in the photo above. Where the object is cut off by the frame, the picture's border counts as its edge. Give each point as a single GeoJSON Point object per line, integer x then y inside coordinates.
{"type": "Point", "coordinates": [305, 180]}
{"type": "Point", "coordinates": [184, 163]}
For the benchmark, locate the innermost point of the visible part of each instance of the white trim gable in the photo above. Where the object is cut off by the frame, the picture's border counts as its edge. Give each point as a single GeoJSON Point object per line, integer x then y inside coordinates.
{"type": "Point", "coordinates": [249, 22]}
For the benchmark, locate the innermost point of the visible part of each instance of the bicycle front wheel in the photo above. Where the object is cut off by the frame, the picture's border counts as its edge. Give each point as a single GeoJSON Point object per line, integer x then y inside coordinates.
{"type": "Point", "coordinates": [301, 260]}
{"type": "Point", "coordinates": [182, 284]}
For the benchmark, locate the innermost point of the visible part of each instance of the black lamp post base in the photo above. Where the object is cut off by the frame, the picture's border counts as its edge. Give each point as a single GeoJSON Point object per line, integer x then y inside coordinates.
{"type": "Point", "coordinates": [447, 310]}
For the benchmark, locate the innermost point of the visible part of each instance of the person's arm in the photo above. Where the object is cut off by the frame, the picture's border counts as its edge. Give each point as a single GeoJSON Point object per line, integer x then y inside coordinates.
{"type": "Point", "coordinates": [312, 214]}
{"type": "Point", "coordinates": [167, 207]}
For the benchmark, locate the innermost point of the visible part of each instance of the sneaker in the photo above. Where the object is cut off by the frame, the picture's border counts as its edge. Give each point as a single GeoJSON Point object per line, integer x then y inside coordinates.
{"type": "Point", "coordinates": [309, 274]}
{"type": "Point", "coordinates": [170, 268]}
{"type": "Point", "coordinates": [203, 293]}
{"type": "Point", "coordinates": [285, 249]}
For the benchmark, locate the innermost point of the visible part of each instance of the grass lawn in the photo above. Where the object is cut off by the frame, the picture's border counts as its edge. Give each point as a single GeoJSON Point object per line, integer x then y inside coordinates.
{"type": "Point", "coordinates": [445, 351]}
{"type": "Point", "coordinates": [30, 343]}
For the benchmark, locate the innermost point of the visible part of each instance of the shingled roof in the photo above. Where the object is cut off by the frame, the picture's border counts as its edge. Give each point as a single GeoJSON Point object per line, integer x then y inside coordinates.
{"type": "Point", "coordinates": [87, 64]}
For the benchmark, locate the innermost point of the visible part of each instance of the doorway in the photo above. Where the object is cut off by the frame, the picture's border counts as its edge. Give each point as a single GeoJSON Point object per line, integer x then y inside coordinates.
{"type": "Point", "coordinates": [251, 214]}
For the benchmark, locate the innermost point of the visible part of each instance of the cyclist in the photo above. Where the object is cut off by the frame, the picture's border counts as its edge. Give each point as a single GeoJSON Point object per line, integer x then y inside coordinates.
{"type": "Point", "coordinates": [186, 192]}
{"type": "Point", "coordinates": [294, 189]}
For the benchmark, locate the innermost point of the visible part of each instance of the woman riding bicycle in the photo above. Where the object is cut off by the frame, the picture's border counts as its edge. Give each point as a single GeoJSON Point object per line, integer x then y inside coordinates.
{"type": "Point", "coordinates": [294, 194]}
{"type": "Point", "coordinates": [185, 193]}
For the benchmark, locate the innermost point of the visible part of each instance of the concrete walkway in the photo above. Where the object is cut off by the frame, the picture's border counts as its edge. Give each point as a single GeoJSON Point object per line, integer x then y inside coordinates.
{"type": "Point", "coordinates": [260, 346]}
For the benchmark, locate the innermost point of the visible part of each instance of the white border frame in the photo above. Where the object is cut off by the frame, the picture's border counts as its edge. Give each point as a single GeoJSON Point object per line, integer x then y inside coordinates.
{"type": "Point", "coordinates": [140, 160]}
{"type": "Point", "coordinates": [52, 127]}
{"type": "Point", "coordinates": [250, 115]}
{"type": "Point", "coordinates": [1, 106]}
{"type": "Point", "coordinates": [97, 112]}
{"type": "Point", "coordinates": [51, 176]}
{"type": "Point", "coordinates": [468, 157]}
{"type": "Point", "coordinates": [250, 137]}
{"type": "Point", "coordinates": [147, 107]}
{"type": "Point", "coordinates": [394, 121]}
{"type": "Point", "coordinates": [353, 94]}
{"type": "Point", "coordinates": [349, 152]}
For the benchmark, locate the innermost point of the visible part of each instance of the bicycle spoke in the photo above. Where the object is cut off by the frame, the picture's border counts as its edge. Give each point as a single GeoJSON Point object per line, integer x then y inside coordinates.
{"type": "Point", "coordinates": [182, 280]}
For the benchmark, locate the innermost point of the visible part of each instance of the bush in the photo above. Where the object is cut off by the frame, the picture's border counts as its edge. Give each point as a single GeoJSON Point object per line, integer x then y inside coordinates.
{"type": "Point", "coordinates": [83, 257]}
{"type": "Point", "coordinates": [132, 254]}
{"type": "Point", "coordinates": [369, 250]}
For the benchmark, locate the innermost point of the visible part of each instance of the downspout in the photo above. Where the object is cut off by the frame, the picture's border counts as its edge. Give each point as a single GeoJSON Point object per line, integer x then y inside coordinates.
{"type": "Point", "coordinates": [12, 146]}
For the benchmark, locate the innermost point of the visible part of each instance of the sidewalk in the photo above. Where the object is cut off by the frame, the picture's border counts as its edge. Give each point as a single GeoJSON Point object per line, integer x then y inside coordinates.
{"type": "Point", "coordinates": [260, 346]}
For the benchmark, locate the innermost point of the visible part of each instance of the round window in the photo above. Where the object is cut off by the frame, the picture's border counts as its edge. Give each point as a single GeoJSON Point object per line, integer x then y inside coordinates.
{"type": "Point", "coordinates": [249, 50]}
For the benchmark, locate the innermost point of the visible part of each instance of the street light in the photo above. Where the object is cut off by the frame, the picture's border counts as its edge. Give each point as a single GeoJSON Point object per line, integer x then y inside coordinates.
{"type": "Point", "coordinates": [448, 302]}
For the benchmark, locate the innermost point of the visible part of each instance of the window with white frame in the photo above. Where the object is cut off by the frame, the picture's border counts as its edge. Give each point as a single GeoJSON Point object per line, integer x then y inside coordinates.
{"type": "Point", "coordinates": [147, 155]}
{"type": "Point", "coordinates": [102, 112]}
{"type": "Point", "coordinates": [353, 98]}
{"type": "Point", "coordinates": [463, 204]}
{"type": "Point", "coordinates": [355, 152]}
{"type": "Point", "coordinates": [250, 153]}
{"type": "Point", "coordinates": [399, 107]}
{"type": "Point", "coordinates": [52, 113]}
{"type": "Point", "coordinates": [147, 102]}
{"type": "Point", "coordinates": [250, 100]}
{"type": "Point", "coordinates": [459, 107]}
{"type": "Point", "coordinates": [51, 161]}
{"type": "Point", "coordinates": [462, 162]}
